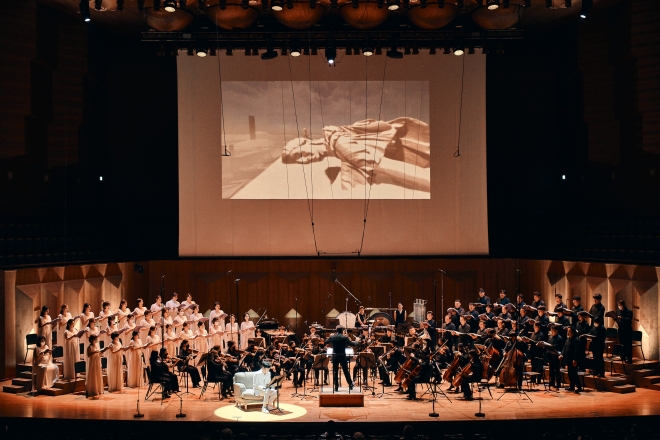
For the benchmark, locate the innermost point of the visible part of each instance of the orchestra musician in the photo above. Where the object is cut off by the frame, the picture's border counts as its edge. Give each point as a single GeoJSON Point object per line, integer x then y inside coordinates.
{"type": "Point", "coordinates": [390, 363]}
{"type": "Point", "coordinates": [475, 375]}
{"type": "Point", "coordinates": [389, 337]}
{"type": "Point", "coordinates": [160, 373]}
{"type": "Point", "coordinates": [363, 341]}
{"type": "Point", "coordinates": [483, 299]}
{"type": "Point", "coordinates": [424, 375]}
{"type": "Point", "coordinates": [218, 372]}
{"type": "Point", "coordinates": [360, 317]}
{"type": "Point", "coordinates": [597, 309]}
{"type": "Point", "coordinates": [624, 318]}
{"type": "Point", "coordinates": [317, 349]}
{"type": "Point", "coordinates": [185, 354]}
{"type": "Point", "coordinates": [339, 341]}
{"type": "Point", "coordinates": [400, 315]}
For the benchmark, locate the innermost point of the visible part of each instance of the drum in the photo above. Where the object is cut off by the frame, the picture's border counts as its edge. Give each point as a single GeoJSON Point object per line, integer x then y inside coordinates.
{"type": "Point", "coordinates": [347, 319]}
{"type": "Point", "coordinates": [381, 319]}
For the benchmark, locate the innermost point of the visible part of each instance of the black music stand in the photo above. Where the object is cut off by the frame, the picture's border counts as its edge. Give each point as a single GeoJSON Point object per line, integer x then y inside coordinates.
{"type": "Point", "coordinates": [258, 342]}
{"type": "Point", "coordinates": [276, 382]}
{"type": "Point", "coordinates": [321, 363]}
{"type": "Point", "coordinates": [366, 360]}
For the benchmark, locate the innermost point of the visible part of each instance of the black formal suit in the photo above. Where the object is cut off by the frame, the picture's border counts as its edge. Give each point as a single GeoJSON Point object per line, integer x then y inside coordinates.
{"type": "Point", "coordinates": [557, 343]}
{"type": "Point", "coordinates": [624, 322]}
{"type": "Point", "coordinates": [571, 354]}
{"type": "Point", "coordinates": [339, 343]}
{"type": "Point", "coordinates": [161, 374]}
{"type": "Point", "coordinates": [477, 373]}
{"type": "Point", "coordinates": [597, 347]}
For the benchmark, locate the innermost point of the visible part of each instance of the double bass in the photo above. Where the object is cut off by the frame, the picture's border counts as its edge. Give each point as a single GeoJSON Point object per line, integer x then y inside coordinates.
{"type": "Point", "coordinates": [512, 362]}
{"type": "Point", "coordinates": [407, 371]}
{"type": "Point", "coordinates": [452, 368]}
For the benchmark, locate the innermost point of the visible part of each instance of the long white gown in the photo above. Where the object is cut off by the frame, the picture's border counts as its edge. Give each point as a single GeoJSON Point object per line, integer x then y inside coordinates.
{"type": "Point", "coordinates": [61, 326]}
{"type": "Point", "coordinates": [93, 373]}
{"type": "Point", "coordinates": [202, 343]}
{"type": "Point", "coordinates": [247, 332]}
{"type": "Point", "coordinates": [212, 315]}
{"type": "Point", "coordinates": [86, 336]}
{"type": "Point", "coordinates": [146, 324]}
{"type": "Point", "coordinates": [71, 355]}
{"type": "Point", "coordinates": [115, 372]}
{"type": "Point", "coordinates": [151, 340]}
{"type": "Point", "coordinates": [134, 364]}
{"type": "Point", "coordinates": [46, 330]}
{"type": "Point", "coordinates": [170, 345]}
{"type": "Point", "coordinates": [218, 336]}
{"type": "Point", "coordinates": [46, 372]}
{"type": "Point", "coordinates": [231, 333]}
{"type": "Point", "coordinates": [122, 317]}
{"type": "Point", "coordinates": [83, 323]}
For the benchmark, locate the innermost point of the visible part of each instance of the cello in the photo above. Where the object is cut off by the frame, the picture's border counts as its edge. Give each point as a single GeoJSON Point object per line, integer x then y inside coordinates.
{"type": "Point", "coordinates": [510, 365]}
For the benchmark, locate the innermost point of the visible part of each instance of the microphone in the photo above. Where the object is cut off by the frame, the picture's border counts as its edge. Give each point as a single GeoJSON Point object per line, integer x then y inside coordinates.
{"type": "Point", "coordinates": [329, 295]}
{"type": "Point", "coordinates": [442, 271]}
{"type": "Point", "coordinates": [228, 272]}
{"type": "Point", "coordinates": [237, 280]}
{"type": "Point", "coordinates": [518, 270]}
{"type": "Point", "coordinates": [163, 277]}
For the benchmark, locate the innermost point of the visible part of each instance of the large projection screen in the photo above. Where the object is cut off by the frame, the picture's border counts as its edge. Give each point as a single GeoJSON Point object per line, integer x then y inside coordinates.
{"type": "Point", "coordinates": [315, 150]}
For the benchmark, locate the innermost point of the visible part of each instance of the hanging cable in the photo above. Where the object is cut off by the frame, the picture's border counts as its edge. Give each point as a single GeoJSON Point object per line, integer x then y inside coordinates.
{"type": "Point", "coordinates": [295, 112]}
{"type": "Point", "coordinates": [222, 101]}
{"type": "Point", "coordinates": [286, 162]}
{"type": "Point", "coordinates": [419, 129]}
{"type": "Point", "coordinates": [457, 153]}
{"type": "Point", "coordinates": [327, 156]}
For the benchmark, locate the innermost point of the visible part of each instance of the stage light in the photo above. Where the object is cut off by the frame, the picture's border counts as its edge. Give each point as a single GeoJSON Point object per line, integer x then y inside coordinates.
{"type": "Point", "coordinates": [120, 5]}
{"type": "Point", "coordinates": [169, 5]}
{"type": "Point", "coordinates": [441, 4]}
{"type": "Point", "coordinates": [295, 49]}
{"type": "Point", "coordinates": [276, 5]}
{"type": "Point", "coordinates": [270, 52]}
{"type": "Point", "coordinates": [459, 50]}
{"type": "Point", "coordinates": [563, 177]}
{"type": "Point", "coordinates": [586, 8]}
{"type": "Point", "coordinates": [493, 4]}
{"type": "Point", "coordinates": [367, 50]}
{"type": "Point", "coordinates": [156, 5]}
{"type": "Point", "coordinates": [312, 4]}
{"type": "Point", "coordinates": [330, 54]}
{"type": "Point", "coordinates": [201, 50]}
{"type": "Point", "coordinates": [98, 4]}
{"type": "Point", "coordinates": [392, 5]}
{"type": "Point", "coordinates": [84, 10]}
{"type": "Point", "coordinates": [101, 178]}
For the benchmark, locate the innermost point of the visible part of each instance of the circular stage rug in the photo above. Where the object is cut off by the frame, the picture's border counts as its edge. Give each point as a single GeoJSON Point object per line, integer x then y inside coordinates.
{"type": "Point", "coordinates": [254, 414]}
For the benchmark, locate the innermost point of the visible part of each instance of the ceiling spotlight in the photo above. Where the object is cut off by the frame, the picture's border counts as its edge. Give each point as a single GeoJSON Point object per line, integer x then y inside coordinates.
{"type": "Point", "coordinates": [586, 8]}
{"type": "Point", "coordinates": [394, 53]}
{"type": "Point", "coordinates": [84, 10]}
{"type": "Point", "coordinates": [392, 5]}
{"type": "Point", "coordinates": [295, 49]}
{"type": "Point", "coordinates": [459, 50]}
{"type": "Point", "coordinates": [276, 5]}
{"type": "Point", "coordinates": [367, 50]}
{"type": "Point", "coordinates": [201, 49]}
{"type": "Point", "coordinates": [270, 52]}
{"type": "Point", "coordinates": [441, 3]}
{"type": "Point", "coordinates": [330, 54]}
{"type": "Point", "coordinates": [156, 5]}
{"type": "Point", "coordinates": [98, 4]}
{"type": "Point", "coordinates": [169, 5]}
{"type": "Point", "coordinates": [493, 4]}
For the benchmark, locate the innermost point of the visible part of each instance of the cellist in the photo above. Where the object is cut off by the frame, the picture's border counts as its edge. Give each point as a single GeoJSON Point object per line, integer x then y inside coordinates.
{"type": "Point", "coordinates": [475, 375]}
{"type": "Point", "coordinates": [424, 374]}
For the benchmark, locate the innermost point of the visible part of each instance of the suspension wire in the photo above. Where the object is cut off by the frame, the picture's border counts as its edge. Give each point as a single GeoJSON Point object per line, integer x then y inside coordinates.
{"type": "Point", "coordinates": [311, 147]}
{"type": "Point", "coordinates": [286, 162]}
{"type": "Point", "coordinates": [460, 111]}
{"type": "Point", "coordinates": [295, 112]}
{"type": "Point", "coordinates": [419, 129]}
{"type": "Point", "coordinates": [222, 101]}
{"type": "Point", "coordinates": [327, 157]}
{"type": "Point", "coordinates": [380, 110]}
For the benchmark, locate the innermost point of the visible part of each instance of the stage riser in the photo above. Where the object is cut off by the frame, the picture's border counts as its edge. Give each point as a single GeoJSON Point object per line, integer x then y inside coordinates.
{"type": "Point", "coordinates": [341, 400]}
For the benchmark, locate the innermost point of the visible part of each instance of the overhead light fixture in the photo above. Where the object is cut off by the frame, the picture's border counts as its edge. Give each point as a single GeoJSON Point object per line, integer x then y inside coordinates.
{"type": "Point", "coordinates": [156, 5]}
{"type": "Point", "coordinates": [84, 10]}
{"type": "Point", "coordinates": [276, 5]}
{"type": "Point", "coordinates": [493, 4]}
{"type": "Point", "coordinates": [568, 3]}
{"type": "Point", "coordinates": [312, 4]}
{"type": "Point", "coordinates": [201, 50]}
{"type": "Point", "coordinates": [169, 5]}
{"type": "Point", "coordinates": [394, 53]}
{"type": "Point", "coordinates": [459, 50]}
{"type": "Point", "coordinates": [586, 8]}
{"type": "Point", "coordinates": [367, 50]}
{"type": "Point", "coordinates": [295, 49]}
{"type": "Point", "coordinates": [98, 4]}
{"type": "Point", "coordinates": [270, 52]}
{"type": "Point", "coordinates": [441, 4]}
{"type": "Point", "coordinates": [330, 54]}
{"type": "Point", "coordinates": [392, 5]}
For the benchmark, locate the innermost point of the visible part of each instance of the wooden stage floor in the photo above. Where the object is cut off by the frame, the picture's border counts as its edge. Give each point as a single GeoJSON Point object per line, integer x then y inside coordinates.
{"type": "Point", "coordinates": [390, 408]}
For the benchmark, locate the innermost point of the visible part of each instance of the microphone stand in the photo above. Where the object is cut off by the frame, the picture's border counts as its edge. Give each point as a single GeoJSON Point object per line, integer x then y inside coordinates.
{"type": "Point", "coordinates": [349, 292]}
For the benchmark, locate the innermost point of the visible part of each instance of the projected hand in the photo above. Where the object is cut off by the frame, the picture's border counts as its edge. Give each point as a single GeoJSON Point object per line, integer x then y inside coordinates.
{"type": "Point", "coordinates": [303, 150]}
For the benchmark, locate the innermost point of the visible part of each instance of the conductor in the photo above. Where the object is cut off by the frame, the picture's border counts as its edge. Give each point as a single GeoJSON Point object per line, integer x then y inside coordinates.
{"type": "Point", "coordinates": [339, 342]}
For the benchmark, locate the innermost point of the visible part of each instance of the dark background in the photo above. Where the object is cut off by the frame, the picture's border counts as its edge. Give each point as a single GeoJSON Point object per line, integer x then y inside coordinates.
{"type": "Point", "coordinates": [79, 102]}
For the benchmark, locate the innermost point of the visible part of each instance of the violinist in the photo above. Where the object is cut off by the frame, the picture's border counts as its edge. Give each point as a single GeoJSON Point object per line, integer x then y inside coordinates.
{"type": "Point", "coordinates": [185, 354]}
{"type": "Point", "coordinates": [161, 374]}
{"type": "Point", "coordinates": [363, 341]}
{"type": "Point", "coordinates": [218, 372]}
{"type": "Point", "coordinates": [430, 326]}
{"type": "Point", "coordinates": [474, 376]}
{"type": "Point", "coordinates": [424, 374]}
{"type": "Point", "coordinates": [390, 362]}
{"type": "Point", "coordinates": [318, 349]}
{"type": "Point", "coordinates": [233, 355]}
{"type": "Point", "coordinates": [389, 338]}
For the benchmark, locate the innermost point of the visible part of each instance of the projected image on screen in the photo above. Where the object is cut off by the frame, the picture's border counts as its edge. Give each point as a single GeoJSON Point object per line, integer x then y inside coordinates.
{"type": "Point", "coordinates": [326, 140]}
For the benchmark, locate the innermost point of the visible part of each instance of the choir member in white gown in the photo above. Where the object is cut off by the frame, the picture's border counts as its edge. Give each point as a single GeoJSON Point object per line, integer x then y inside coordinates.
{"type": "Point", "coordinates": [71, 351]}
{"type": "Point", "coordinates": [64, 317]}
{"type": "Point", "coordinates": [93, 373]}
{"type": "Point", "coordinates": [187, 303]}
{"type": "Point", "coordinates": [122, 314]}
{"type": "Point", "coordinates": [186, 333]}
{"type": "Point", "coordinates": [178, 321]}
{"type": "Point", "coordinates": [202, 341]}
{"type": "Point", "coordinates": [139, 310]}
{"type": "Point", "coordinates": [109, 330]}
{"type": "Point", "coordinates": [156, 308]}
{"type": "Point", "coordinates": [217, 313]}
{"type": "Point", "coordinates": [115, 371]}
{"type": "Point", "coordinates": [104, 314]}
{"type": "Point", "coordinates": [45, 371]}
{"type": "Point", "coordinates": [134, 361]}
{"type": "Point", "coordinates": [152, 343]}
{"type": "Point", "coordinates": [145, 323]}
{"type": "Point", "coordinates": [45, 326]}
{"type": "Point", "coordinates": [170, 339]}
{"type": "Point", "coordinates": [130, 324]}
{"type": "Point", "coordinates": [173, 305]}
{"type": "Point", "coordinates": [93, 330]}
{"type": "Point", "coordinates": [85, 317]}
{"type": "Point", "coordinates": [247, 331]}
{"type": "Point", "coordinates": [231, 330]}
{"type": "Point", "coordinates": [218, 334]}
{"type": "Point", "coordinates": [167, 318]}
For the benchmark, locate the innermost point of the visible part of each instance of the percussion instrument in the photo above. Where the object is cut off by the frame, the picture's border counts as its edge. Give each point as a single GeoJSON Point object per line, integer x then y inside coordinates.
{"type": "Point", "coordinates": [347, 319]}
{"type": "Point", "coordinates": [381, 319]}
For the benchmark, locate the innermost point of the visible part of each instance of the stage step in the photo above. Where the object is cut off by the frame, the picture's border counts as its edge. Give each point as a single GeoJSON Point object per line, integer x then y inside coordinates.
{"type": "Point", "coordinates": [70, 386]}
{"type": "Point", "coordinates": [14, 389]}
{"type": "Point", "coordinates": [609, 384]}
{"type": "Point", "coordinates": [624, 368]}
{"type": "Point", "coordinates": [655, 387]}
{"type": "Point", "coordinates": [25, 374]}
{"type": "Point", "coordinates": [22, 382]}
{"type": "Point", "coordinates": [341, 400]}
{"type": "Point", "coordinates": [638, 375]}
{"type": "Point", "coordinates": [23, 367]}
{"type": "Point", "coordinates": [647, 381]}
{"type": "Point", "coordinates": [52, 391]}
{"type": "Point", "coordinates": [624, 389]}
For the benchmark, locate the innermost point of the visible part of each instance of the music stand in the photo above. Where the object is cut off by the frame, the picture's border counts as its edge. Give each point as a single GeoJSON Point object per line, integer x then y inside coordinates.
{"type": "Point", "coordinates": [320, 363]}
{"type": "Point", "coordinates": [366, 360]}
{"type": "Point", "coordinates": [277, 383]}
{"type": "Point", "coordinates": [258, 342]}
{"type": "Point", "coordinates": [403, 327]}
{"type": "Point", "coordinates": [332, 323]}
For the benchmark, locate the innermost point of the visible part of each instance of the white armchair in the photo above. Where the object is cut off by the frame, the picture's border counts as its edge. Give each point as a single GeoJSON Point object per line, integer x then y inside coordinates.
{"type": "Point", "coordinates": [244, 390]}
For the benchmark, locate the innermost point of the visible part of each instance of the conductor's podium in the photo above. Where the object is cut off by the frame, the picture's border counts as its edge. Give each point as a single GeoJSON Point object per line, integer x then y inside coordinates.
{"type": "Point", "coordinates": [341, 398]}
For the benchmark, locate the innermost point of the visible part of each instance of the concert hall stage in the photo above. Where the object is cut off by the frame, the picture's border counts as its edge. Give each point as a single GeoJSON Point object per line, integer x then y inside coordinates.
{"type": "Point", "coordinates": [380, 415]}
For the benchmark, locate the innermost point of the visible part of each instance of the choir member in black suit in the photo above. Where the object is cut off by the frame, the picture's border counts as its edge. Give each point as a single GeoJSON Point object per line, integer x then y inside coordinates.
{"type": "Point", "coordinates": [504, 300]}
{"type": "Point", "coordinates": [597, 309]}
{"type": "Point", "coordinates": [577, 308]}
{"type": "Point", "coordinates": [557, 343]}
{"type": "Point", "coordinates": [536, 352]}
{"type": "Point", "coordinates": [446, 335]}
{"type": "Point", "coordinates": [464, 327]}
{"type": "Point", "coordinates": [559, 304]}
{"type": "Point", "coordinates": [538, 302]}
{"type": "Point", "coordinates": [624, 318]}
{"type": "Point", "coordinates": [483, 299]}
{"type": "Point", "coordinates": [570, 356]}
{"type": "Point", "coordinates": [597, 346]}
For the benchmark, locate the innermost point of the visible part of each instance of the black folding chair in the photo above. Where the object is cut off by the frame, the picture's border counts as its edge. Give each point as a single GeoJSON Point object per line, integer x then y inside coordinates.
{"type": "Point", "coordinates": [80, 367]}
{"type": "Point", "coordinates": [153, 387]}
{"type": "Point", "coordinates": [30, 339]}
